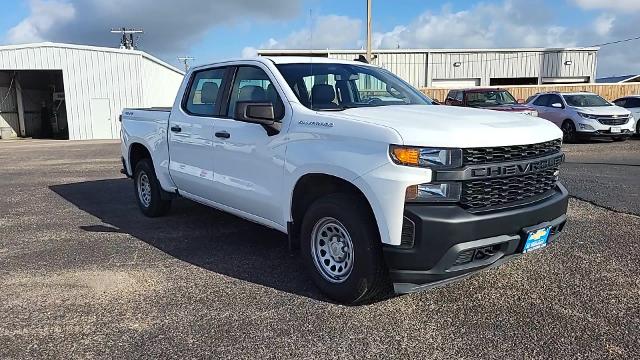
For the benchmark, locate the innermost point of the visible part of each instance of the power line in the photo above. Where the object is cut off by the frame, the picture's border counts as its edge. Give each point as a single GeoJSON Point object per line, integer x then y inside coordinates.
{"type": "Point", "coordinates": [617, 42]}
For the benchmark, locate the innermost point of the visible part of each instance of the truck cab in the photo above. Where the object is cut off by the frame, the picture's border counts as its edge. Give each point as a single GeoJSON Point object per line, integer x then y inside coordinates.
{"type": "Point", "coordinates": [380, 190]}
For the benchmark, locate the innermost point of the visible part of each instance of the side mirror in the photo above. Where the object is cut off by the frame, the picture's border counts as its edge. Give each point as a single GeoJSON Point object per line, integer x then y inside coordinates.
{"type": "Point", "coordinates": [255, 112]}
{"type": "Point", "coordinates": [556, 105]}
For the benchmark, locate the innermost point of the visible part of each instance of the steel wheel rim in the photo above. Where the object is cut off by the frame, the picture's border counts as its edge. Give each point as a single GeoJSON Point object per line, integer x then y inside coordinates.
{"type": "Point", "coordinates": [332, 250]}
{"type": "Point", "coordinates": [144, 189]}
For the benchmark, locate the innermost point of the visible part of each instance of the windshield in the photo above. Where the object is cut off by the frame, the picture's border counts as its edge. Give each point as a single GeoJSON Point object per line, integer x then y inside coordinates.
{"type": "Point", "coordinates": [342, 86]}
{"type": "Point", "coordinates": [490, 98]}
{"type": "Point", "coordinates": [585, 100]}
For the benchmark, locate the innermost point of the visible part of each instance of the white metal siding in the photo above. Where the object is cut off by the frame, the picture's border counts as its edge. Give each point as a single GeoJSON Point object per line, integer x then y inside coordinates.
{"type": "Point", "coordinates": [126, 78]}
{"type": "Point", "coordinates": [420, 66]}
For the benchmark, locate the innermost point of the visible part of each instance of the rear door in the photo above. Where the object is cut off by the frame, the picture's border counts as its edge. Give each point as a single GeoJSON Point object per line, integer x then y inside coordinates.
{"type": "Point", "coordinates": [191, 132]}
{"type": "Point", "coordinates": [249, 158]}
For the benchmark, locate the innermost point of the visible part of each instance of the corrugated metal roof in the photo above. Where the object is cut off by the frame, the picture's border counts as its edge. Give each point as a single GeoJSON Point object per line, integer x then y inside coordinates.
{"type": "Point", "coordinates": [91, 48]}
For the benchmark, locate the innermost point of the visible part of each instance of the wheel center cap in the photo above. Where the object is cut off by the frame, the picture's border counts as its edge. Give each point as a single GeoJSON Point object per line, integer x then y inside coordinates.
{"type": "Point", "coordinates": [336, 248]}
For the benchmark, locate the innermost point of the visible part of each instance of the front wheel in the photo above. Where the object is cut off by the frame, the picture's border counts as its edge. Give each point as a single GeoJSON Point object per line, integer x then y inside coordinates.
{"type": "Point", "coordinates": [341, 248]}
{"type": "Point", "coordinates": [569, 131]}
{"type": "Point", "coordinates": [148, 191]}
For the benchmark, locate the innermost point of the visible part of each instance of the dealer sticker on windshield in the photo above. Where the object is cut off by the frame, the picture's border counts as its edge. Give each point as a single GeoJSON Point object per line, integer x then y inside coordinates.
{"type": "Point", "coordinates": [536, 239]}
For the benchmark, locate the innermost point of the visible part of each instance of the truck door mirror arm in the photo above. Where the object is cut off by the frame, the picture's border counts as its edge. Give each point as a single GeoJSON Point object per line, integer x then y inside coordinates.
{"type": "Point", "coordinates": [261, 113]}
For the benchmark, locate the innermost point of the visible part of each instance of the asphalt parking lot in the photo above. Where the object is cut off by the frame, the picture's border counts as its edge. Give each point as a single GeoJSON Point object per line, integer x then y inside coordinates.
{"type": "Point", "coordinates": [84, 274]}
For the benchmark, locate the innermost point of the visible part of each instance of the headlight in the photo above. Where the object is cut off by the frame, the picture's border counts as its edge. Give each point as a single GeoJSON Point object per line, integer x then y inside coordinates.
{"type": "Point", "coordinates": [587, 116]}
{"type": "Point", "coordinates": [436, 192]}
{"type": "Point", "coordinates": [585, 126]}
{"type": "Point", "coordinates": [426, 157]}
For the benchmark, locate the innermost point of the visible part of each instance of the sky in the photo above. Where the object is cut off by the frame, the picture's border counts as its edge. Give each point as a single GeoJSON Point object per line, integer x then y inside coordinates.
{"type": "Point", "coordinates": [211, 30]}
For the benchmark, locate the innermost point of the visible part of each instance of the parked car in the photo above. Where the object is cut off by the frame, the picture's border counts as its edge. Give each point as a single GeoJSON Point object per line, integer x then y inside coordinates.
{"type": "Point", "coordinates": [583, 115]}
{"type": "Point", "coordinates": [380, 189]}
{"type": "Point", "coordinates": [631, 103]}
{"type": "Point", "coordinates": [491, 99]}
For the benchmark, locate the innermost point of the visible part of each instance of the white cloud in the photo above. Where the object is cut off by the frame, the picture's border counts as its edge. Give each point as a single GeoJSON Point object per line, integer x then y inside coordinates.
{"type": "Point", "coordinates": [171, 27]}
{"type": "Point", "coordinates": [330, 31]}
{"type": "Point", "coordinates": [45, 14]}
{"type": "Point", "coordinates": [249, 52]}
{"type": "Point", "coordinates": [510, 24]}
{"type": "Point", "coordinates": [617, 5]}
{"type": "Point", "coordinates": [603, 24]}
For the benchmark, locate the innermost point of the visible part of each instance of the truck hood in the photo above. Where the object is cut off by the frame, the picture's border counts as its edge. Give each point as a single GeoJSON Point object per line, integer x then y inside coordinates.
{"type": "Point", "coordinates": [509, 107]}
{"type": "Point", "coordinates": [449, 126]}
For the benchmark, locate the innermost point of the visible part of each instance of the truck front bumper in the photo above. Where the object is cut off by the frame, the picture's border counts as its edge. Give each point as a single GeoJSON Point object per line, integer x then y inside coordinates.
{"type": "Point", "coordinates": [450, 242]}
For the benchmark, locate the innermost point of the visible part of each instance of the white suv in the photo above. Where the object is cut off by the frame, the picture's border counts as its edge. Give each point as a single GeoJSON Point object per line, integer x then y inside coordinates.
{"type": "Point", "coordinates": [584, 115]}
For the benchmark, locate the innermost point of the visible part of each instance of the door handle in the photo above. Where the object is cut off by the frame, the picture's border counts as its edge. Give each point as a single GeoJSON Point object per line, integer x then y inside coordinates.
{"type": "Point", "coordinates": [176, 128]}
{"type": "Point", "coordinates": [223, 135]}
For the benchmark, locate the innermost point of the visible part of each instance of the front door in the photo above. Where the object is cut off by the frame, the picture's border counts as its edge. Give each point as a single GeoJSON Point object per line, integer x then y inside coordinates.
{"type": "Point", "coordinates": [101, 118]}
{"type": "Point", "coordinates": [191, 133]}
{"type": "Point", "coordinates": [249, 160]}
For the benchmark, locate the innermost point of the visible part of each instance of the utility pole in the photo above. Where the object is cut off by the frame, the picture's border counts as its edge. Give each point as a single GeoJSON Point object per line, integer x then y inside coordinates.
{"type": "Point", "coordinates": [126, 41]}
{"type": "Point", "coordinates": [369, 57]}
{"type": "Point", "coordinates": [185, 60]}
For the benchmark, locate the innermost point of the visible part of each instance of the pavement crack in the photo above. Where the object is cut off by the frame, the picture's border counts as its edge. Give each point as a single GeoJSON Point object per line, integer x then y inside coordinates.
{"type": "Point", "coordinates": [605, 207]}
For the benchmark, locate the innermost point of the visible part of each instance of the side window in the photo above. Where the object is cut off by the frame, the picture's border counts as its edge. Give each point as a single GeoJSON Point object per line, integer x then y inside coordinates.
{"type": "Point", "coordinates": [252, 84]}
{"type": "Point", "coordinates": [460, 96]}
{"type": "Point", "coordinates": [553, 99]}
{"type": "Point", "coordinates": [633, 103]}
{"type": "Point", "coordinates": [203, 94]}
{"type": "Point", "coordinates": [621, 102]}
{"type": "Point", "coordinates": [542, 100]}
{"type": "Point", "coordinates": [451, 95]}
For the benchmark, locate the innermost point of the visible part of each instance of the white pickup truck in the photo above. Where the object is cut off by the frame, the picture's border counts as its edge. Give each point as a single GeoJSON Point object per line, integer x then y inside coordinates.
{"type": "Point", "coordinates": [378, 187]}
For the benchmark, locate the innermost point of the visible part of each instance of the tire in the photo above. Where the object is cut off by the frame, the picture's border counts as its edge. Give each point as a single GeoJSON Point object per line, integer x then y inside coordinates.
{"type": "Point", "coordinates": [359, 274]}
{"type": "Point", "coordinates": [147, 190]}
{"type": "Point", "coordinates": [569, 131]}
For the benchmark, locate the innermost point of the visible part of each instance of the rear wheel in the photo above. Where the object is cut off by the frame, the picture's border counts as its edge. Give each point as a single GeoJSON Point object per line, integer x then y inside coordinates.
{"type": "Point", "coordinates": [148, 191]}
{"type": "Point", "coordinates": [569, 131]}
{"type": "Point", "coordinates": [341, 248]}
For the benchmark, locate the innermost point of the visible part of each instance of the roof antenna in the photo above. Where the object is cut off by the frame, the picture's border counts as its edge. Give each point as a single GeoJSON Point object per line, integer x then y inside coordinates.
{"type": "Point", "coordinates": [127, 41]}
{"type": "Point", "coordinates": [185, 60]}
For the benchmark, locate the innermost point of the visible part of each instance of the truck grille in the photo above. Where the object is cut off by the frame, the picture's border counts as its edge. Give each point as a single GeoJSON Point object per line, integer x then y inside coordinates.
{"type": "Point", "coordinates": [609, 120]}
{"type": "Point", "coordinates": [494, 192]}
{"type": "Point", "coordinates": [474, 156]}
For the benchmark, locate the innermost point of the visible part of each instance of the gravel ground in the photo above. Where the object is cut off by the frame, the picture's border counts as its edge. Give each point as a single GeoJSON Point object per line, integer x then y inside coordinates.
{"type": "Point", "coordinates": [84, 275]}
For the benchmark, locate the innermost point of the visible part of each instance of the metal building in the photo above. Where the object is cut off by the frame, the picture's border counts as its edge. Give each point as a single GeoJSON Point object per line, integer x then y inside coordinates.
{"type": "Point", "coordinates": [453, 68]}
{"type": "Point", "coordinates": [76, 92]}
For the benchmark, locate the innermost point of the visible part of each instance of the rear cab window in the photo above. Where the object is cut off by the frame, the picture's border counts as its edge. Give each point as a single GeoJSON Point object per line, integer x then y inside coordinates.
{"type": "Point", "coordinates": [205, 91]}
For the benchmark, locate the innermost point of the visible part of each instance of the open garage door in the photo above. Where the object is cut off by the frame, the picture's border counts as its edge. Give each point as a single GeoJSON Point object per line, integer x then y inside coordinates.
{"type": "Point", "coordinates": [32, 104]}
{"type": "Point", "coordinates": [455, 83]}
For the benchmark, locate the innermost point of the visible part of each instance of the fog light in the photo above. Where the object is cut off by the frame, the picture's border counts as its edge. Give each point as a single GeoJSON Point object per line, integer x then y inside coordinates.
{"type": "Point", "coordinates": [585, 126]}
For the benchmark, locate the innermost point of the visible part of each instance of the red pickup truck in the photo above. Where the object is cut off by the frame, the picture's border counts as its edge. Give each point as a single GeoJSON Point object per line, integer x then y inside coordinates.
{"type": "Point", "coordinates": [488, 98]}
